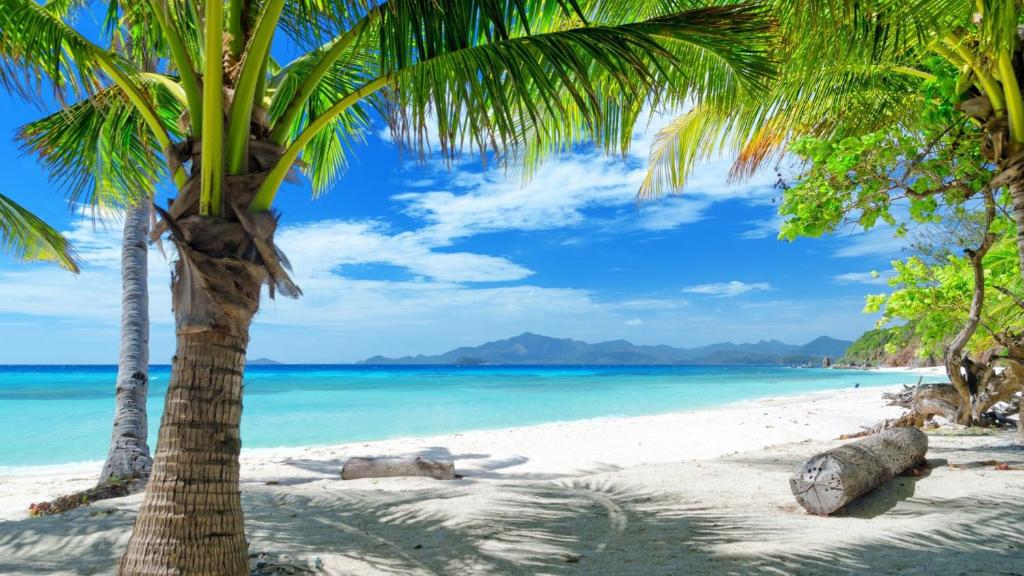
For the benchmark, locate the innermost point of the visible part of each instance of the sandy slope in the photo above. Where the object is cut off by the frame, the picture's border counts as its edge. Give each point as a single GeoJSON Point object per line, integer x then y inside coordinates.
{"type": "Point", "coordinates": [696, 493]}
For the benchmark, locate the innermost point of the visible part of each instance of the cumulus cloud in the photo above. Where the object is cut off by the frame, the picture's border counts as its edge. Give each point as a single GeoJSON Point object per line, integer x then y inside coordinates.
{"type": "Point", "coordinates": [491, 201]}
{"type": "Point", "coordinates": [466, 201]}
{"type": "Point", "coordinates": [322, 247]}
{"type": "Point", "coordinates": [728, 289]}
{"type": "Point", "coordinates": [673, 212]}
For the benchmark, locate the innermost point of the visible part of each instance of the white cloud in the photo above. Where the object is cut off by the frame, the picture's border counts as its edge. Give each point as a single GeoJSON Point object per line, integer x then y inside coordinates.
{"type": "Point", "coordinates": [341, 318]}
{"type": "Point", "coordinates": [763, 229]}
{"type": "Point", "coordinates": [493, 201]}
{"type": "Point", "coordinates": [728, 289]}
{"type": "Point", "coordinates": [672, 213]}
{"type": "Point", "coordinates": [95, 294]}
{"type": "Point", "coordinates": [873, 278]}
{"type": "Point", "coordinates": [873, 243]}
{"type": "Point", "coordinates": [324, 245]}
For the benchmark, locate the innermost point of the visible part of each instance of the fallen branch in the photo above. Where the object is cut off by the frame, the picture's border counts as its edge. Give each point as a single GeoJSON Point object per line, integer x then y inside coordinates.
{"type": "Point", "coordinates": [113, 488]}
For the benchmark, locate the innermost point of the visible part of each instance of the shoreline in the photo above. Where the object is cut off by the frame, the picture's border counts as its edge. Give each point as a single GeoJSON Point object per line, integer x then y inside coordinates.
{"type": "Point", "coordinates": [93, 466]}
{"type": "Point", "coordinates": [552, 449]}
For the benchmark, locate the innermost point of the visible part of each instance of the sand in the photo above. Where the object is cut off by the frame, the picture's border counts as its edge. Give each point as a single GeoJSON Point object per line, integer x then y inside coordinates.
{"type": "Point", "coordinates": [703, 492]}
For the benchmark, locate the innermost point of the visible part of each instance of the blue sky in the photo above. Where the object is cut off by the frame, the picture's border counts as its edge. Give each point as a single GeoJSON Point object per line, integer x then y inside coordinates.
{"type": "Point", "coordinates": [404, 257]}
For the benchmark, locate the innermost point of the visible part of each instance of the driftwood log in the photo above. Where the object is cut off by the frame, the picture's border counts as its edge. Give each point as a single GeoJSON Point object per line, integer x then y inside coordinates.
{"type": "Point", "coordinates": [832, 479]}
{"type": "Point", "coordinates": [397, 467]}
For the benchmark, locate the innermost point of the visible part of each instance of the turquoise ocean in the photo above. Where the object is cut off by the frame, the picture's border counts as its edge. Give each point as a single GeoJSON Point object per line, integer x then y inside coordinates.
{"type": "Point", "coordinates": [63, 414]}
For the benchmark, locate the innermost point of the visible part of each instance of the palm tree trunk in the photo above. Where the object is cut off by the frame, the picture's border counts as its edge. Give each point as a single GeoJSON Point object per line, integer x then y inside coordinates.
{"type": "Point", "coordinates": [129, 451]}
{"type": "Point", "coordinates": [1017, 198]}
{"type": "Point", "coordinates": [190, 521]}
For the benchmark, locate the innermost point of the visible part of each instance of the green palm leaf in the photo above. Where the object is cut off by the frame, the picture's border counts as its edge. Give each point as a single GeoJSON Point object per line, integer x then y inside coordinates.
{"type": "Point", "coordinates": [100, 150]}
{"type": "Point", "coordinates": [37, 47]}
{"type": "Point", "coordinates": [844, 69]}
{"type": "Point", "coordinates": [564, 82]}
{"type": "Point", "coordinates": [25, 236]}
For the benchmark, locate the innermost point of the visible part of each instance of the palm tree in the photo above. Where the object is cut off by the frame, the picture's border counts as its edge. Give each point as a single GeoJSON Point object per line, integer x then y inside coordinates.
{"type": "Point", "coordinates": [26, 237]}
{"type": "Point", "coordinates": [101, 151]}
{"type": "Point", "coordinates": [128, 457]}
{"type": "Point", "coordinates": [514, 78]}
{"type": "Point", "coordinates": [856, 67]}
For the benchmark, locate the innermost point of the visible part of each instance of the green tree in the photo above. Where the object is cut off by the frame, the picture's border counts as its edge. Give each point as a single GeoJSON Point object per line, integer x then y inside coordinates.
{"type": "Point", "coordinates": [514, 78]}
{"type": "Point", "coordinates": [853, 76]}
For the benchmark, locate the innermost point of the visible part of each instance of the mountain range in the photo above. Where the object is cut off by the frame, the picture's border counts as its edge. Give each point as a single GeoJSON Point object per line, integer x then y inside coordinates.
{"type": "Point", "coordinates": [529, 348]}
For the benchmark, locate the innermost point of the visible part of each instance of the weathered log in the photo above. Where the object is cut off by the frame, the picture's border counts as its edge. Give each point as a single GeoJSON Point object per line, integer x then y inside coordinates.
{"type": "Point", "coordinates": [834, 478]}
{"type": "Point", "coordinates": [396, 467]}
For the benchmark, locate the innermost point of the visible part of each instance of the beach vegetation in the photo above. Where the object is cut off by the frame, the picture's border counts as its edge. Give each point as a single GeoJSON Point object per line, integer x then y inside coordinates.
{"type": "Point", "coordinates": [899, 113]}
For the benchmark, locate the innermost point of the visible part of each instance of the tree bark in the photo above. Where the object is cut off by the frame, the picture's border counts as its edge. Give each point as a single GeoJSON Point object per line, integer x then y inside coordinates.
{"type": "Point", "coordinates": [129, 452]}
{"type": "Point", "coordinates": [190, 521]}
{"type": "Point", "coordinates": [1017, 199]}
{"type": "Point", "coordinates": [954, 353]}
{"type": "Point", "coordinates": [832, 479]}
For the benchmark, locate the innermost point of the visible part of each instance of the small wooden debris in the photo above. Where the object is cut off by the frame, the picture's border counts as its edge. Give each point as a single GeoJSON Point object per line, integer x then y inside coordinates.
{"type": "Point", "coordinates": [438, 469]}
{"type": "Point", "coordinates": [113, 488]}
{"type": "Point", "coordinates": [271, 564]}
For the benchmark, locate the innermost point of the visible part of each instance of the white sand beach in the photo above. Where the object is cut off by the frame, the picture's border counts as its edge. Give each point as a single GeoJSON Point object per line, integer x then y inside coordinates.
{"type": "Point", "coordinates": [702, 492]}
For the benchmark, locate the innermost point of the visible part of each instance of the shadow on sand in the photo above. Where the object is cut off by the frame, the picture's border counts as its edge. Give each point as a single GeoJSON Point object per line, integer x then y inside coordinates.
{"type": "Point", "coordinates": [587, 525]}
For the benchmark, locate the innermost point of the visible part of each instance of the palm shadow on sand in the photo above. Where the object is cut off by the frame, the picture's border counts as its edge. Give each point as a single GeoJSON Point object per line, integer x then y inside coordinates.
{"type": "Point", "coordinates": [598, 524]}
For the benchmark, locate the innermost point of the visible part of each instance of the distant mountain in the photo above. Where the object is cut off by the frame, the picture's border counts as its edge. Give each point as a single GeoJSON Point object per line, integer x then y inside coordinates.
{"type": "Point", "coordinates": [262, 362]}
{"type": "Point", "coordinates": [825, 346]}
{"type": "Point", "coordinates": [529, 348]}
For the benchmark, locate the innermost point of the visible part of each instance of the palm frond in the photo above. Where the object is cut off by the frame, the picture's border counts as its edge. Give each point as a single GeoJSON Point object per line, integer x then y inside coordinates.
{"type": "Point", "coordinates": [326, 156]}
{"type": "Point", "coordinates": [37, 48]}
{"type": "Point", "coordinates": [843, 70]}
{"type": "Point", "coordinates": [687, 140]}
{"type": "Point", "coordinates": [25, 236]}
{"type": "Point", "coordinates": [100, 150]}
{"type": "Point", "coordinates": [312, 23]}
{"type": "Point", "coordinates": [549, 78]}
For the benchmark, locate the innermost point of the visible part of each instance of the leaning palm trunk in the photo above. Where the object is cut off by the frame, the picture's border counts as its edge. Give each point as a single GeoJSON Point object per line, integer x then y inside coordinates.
{"type": "Point", "coordinates": [129, 453]}
{"type": "Point", "coordinates": [1016, 187]}
{"type": "Point", "coordinates": [193, 501]}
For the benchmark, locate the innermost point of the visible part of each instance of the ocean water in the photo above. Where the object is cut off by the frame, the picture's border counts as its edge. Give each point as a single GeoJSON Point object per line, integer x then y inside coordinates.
{"type": "Point", "coordinates": [61, 414]}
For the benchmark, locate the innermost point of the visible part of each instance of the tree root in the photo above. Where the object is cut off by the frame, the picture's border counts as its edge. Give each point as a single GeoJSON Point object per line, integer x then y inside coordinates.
{"type": "Point", "coordinates": [925, 401]}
